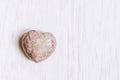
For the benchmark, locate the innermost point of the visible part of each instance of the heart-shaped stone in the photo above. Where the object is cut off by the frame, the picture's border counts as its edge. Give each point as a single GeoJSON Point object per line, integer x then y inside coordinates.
{"type": "Point", "coordinates": [38, 45]}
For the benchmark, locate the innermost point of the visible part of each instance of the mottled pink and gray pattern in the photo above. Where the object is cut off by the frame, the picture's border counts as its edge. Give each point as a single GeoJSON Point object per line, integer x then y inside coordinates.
{"type": "Point", "coordinates": [38, 45]}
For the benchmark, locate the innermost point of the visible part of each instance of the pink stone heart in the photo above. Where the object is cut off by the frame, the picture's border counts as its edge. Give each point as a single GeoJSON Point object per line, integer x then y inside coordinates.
{"type": "Point", "coordinates": [38, 45]}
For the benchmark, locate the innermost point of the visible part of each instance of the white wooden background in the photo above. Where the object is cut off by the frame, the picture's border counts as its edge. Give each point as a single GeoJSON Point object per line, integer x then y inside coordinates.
{"type": "Point", "coordinates": [87, 32]}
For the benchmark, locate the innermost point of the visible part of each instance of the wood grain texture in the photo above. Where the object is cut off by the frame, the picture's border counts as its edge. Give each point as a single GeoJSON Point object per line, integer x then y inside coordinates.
{"type": "Point", "coordinates": [87, 33]}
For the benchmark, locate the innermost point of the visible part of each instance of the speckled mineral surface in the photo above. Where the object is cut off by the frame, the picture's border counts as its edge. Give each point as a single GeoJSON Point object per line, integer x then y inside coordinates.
{"type": "Point", "coordinates": [38, 45]}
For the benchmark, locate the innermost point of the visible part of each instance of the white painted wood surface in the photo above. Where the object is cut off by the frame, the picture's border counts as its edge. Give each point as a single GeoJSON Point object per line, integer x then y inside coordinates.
{"type": "Point", "coordinates": [87, 32]}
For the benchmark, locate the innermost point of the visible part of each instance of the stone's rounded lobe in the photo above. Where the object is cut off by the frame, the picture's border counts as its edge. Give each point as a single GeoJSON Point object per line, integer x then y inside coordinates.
{"type": "Point", "coordinates": [38, 45]}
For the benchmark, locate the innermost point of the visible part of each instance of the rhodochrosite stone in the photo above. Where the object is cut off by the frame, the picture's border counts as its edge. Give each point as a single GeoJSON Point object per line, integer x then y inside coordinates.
{"type": "Point", "coordinates": [38, 45]}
